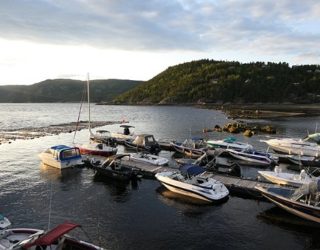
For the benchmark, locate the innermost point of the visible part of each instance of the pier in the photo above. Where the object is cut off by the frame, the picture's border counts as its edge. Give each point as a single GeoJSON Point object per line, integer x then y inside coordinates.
{"type": "Point", "coordinates": [236, 185]}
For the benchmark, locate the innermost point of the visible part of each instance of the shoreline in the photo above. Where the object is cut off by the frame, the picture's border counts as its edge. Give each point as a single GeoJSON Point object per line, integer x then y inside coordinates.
{"type": "Point", "coordinates": [265, 111]}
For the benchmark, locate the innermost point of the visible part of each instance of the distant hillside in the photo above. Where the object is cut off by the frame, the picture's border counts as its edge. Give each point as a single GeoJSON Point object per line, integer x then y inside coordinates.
{"type": "Point", "coordinates": [212, 81]}
{"type": "Point", "coordinates": [65, 90]}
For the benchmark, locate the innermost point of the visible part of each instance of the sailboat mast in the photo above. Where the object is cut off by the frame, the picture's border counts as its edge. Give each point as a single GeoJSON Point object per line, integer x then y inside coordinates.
{"type": "Point", "coordinates": [88, 92]}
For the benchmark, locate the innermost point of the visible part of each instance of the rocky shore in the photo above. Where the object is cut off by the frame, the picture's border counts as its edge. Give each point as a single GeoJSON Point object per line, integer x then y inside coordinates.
{"type": "Point", "coordinates": [267, 111]}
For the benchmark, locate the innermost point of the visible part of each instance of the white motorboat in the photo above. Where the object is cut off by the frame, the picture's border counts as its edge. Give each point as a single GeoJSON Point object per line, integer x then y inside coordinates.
{"type": "Point", "coordinates": [17, 238]}
{"type": "Point", "coordinates": [294, 146]}
{"type": "Point", "coordinates": [149, 158]}
{"type": "Point", "coordinates": [251, 156]}
{"type": "Point", "coordinates": [4, 222]}
{"type": "Point", "coordinates": [61, 156]}
{"type": "Point", "coordinates": [57, 238]}
{"type": "Point", "coordinates": [125, 135]}
{"type": "Point", "coordinates": [191, 182]}
{"type": "Point", "coordinates": [230, 142]}
{"type": "Point", "coordinates": [290, 179]}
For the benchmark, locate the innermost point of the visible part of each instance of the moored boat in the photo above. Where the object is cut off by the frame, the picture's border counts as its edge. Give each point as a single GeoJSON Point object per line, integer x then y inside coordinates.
{"type": "Point", "coordinates": [303, 202]}
{"type": "Point", "coordinates": [230, 142]}
{"type": "Point", "coordinates": [148, 158]}
{"type": "Point", "coordinates": [4, 222]}
{"type": "Point", "coordinates": [294, 146]}
{"type": "Point", "coordinates": [143, 142]}
{"type": "Point", "coordinates": [115, 168]}
{"type": "Point", "coordinates": [100, 149]}
{"type": "Point", "coordinates": [120, 137]}
{"type": "Point", "coordinates": [57, 238]}
{"type": "Point", "coordinates": [252, 156]}
{"type": "Point", "coordinates": [290, 179]}
{"type": "Point", "coordinates": [61, 156]}
{"type": "Point", "coordinates": [191, 182]}
{"type": "Point", "coordinates": [193, 148]}
{"type": "Point", "coordinates": [17, 238]}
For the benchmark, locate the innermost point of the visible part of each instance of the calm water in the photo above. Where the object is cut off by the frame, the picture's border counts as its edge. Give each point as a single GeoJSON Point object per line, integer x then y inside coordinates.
{"type": "Point", "coordinates": [137, 216]}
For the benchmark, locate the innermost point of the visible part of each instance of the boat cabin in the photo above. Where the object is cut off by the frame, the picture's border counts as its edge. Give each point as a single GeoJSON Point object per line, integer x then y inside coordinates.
{"type": "Point", "coordinates": [64, 153]}
{"type": "Point", "coordinates": [144, 140]}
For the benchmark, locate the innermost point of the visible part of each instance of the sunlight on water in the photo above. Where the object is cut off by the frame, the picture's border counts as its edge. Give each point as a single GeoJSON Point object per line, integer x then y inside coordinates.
{"type": "Point", "coordinates": [133, 215]}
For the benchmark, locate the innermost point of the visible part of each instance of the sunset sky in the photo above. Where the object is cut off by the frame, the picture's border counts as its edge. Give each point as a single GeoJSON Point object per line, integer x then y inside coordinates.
{"type": "Point", "coordinates": [138, 39]}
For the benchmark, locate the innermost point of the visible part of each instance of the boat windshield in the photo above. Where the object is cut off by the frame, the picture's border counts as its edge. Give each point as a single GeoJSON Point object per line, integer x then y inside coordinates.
{"type": "Point", "coordinates": [69, 153]}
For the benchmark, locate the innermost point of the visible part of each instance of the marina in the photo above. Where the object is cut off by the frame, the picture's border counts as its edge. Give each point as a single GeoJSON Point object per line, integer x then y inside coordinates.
{"type": "Point", "coordinates": [108, 209]}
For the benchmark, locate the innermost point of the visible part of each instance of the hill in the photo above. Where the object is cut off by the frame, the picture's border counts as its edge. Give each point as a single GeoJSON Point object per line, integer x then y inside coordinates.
{"type": "Point", "coordinates": [65, 90]}
{"type": "Point", "coordinates": [210, 81]}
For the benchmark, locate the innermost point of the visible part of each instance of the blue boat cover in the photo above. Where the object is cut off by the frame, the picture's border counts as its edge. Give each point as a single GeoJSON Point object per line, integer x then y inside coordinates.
{"type": "Point", "coordinates": [60, 147]}
{"type": "Point", "coordinates": [197, 138]}
{"type": "Point", "coordinates": [191, 169]}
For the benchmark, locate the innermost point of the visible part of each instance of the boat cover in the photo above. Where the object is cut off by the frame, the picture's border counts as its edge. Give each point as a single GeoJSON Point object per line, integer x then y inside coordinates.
{"type": "Point", "coordinates": [60, 147]}
{"type": "Point", "coordinates": [191, 169]}
{"type": "Point", "coordinates": [54, 234]}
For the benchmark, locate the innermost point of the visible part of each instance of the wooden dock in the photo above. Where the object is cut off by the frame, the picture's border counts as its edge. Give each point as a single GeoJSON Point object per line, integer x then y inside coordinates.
{"type": "Point", "coordinates": [237, 186]}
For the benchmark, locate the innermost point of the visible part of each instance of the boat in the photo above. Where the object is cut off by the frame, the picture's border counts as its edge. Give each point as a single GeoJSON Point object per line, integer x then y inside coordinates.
{"type": "Point", "coordinates": [315, 137]}
{"type": "Point", "coordinates": [98, 149]}
{"type": "Point", "coordinates": [252, 156]}
{"type": "Point", "coordinates": [61, 156]}
{"type": "Point", "coordinates": [294, 146]}
{"type": "Point", "coordinates": [303, 202]}
{"type": "Point", "coordinates": [148, 158]}
{"type": "Point", "coordinates": [103, 136]}
{"type": "Point", "coordinates": [143, 142]}
{"type": "Point", "coordinates": [120, 137]}
{"type": "Point", "coordinates": [57, 238]}
{"type": "Point", "coordinates": [284, 178]}
{"type": "Point", "coordinates": [190, 181]}
{"type": "Point", "coordinates": [229, 142]}
{"type": "Point", "coordinates": [17, 238]}
{"type": "Point", "coordinates": [4, 222]}
{"type": "Point", "coordinates": [114, 167]}
{"type": "Point", "coordinates": [193, 148]}
{"type": "Point", "coordinates": [306, 161]}
{"type": "Point", "coordinates": [95, 148]}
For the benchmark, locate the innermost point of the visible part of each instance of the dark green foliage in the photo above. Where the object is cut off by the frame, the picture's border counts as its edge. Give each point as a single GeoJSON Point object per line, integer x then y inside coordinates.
{"type": "Point", "coordinates": [220, 82]}
{"type": "Point", "coordinates": [65, 90]}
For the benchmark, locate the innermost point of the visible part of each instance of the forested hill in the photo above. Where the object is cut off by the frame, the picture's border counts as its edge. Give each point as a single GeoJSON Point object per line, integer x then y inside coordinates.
{"type": "Point", "coordinates": [212, 81]}
{"type": "Point", "coordinates": [65, 90]}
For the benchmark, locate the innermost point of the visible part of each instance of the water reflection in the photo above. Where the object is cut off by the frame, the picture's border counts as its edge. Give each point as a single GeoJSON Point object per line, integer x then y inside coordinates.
{"type": "Point", "coordinates": [171, 198]}
{"type": "Point", "coordinates": [62, 175]}
{"type": "Point", "coordinates": [119, 190]}
{"type": "Point", "coordinates": [290, 222]}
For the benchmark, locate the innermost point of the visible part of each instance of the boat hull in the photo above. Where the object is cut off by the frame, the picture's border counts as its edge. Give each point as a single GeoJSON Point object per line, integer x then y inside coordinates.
{"type": "Point", "coordinates": [302, 210]}
{"type": "Point", "coordinates": [194, 191]}
{"type": "Point", "coordinates": [48, 160]}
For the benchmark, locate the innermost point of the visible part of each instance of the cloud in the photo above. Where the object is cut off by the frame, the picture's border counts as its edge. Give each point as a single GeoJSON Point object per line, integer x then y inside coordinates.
{"type": "Point", "coordinates": [258, 26]}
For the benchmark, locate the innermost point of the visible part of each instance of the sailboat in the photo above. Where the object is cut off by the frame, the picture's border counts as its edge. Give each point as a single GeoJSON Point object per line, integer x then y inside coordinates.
{"type": "Point", "coordinates": [95, 148]}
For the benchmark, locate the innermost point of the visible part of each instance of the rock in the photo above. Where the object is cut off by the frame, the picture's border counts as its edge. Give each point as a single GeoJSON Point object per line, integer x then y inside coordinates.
{"type": "Point", "coordinates": [248, 133]}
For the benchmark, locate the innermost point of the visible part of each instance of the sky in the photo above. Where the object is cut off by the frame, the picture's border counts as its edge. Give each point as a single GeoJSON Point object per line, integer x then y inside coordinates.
{"type": "Point", "coordinates": [138, 39]}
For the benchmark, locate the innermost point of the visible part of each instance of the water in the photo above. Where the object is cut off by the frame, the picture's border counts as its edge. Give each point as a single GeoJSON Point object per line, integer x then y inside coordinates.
{"type": "Point", "coordinates": [137, 215]}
